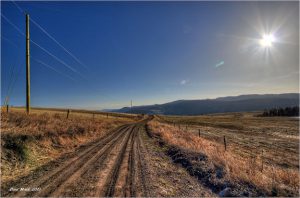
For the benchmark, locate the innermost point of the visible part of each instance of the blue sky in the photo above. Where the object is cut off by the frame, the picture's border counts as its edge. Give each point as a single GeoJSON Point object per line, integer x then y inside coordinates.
{"type": "Point", "coordinates": [149, 52]}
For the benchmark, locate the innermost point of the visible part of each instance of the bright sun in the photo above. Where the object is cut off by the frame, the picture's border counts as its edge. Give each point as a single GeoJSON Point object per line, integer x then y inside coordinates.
{"type": "Point", "coordinates": [267, 40]}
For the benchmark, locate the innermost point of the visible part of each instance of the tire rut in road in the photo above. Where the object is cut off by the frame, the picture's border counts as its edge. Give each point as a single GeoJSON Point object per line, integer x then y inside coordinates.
{"type": "Point", "coordinates": [85, 185]}
{"type": "Point", "coordinates": [88, 165]}
{"type": "Point", "coordinates": [109, 187]}
{"type": "Point", "coordinates": [141, 165]}
{"type": "Point", "coordinates": [135, 182]}
{"type": "Point", "coordinates": [110, 166]}
{"type": "Point", "coordinates": [126, 177]}
{"type": "Point", "coordinates": [75, 160]}
{"type": "Point", "coordinates": [130, 182]}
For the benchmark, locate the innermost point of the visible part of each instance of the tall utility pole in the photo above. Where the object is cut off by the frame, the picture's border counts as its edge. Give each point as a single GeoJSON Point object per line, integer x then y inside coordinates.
{"type": "Point", "coordinates": [27, 65]}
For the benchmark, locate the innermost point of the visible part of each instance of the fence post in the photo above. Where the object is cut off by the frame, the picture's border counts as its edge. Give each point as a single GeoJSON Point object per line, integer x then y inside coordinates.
{"type": "Point", "coordinates": [225, 145]}
{"type": "Point", "coordinates": [7, 108]}
{"type": "Point", "coordinates": [262, 160]}
{"type": "Point", "coordinates": [68, 112]}
{"type": "Point", "coordinates": [199, 132]}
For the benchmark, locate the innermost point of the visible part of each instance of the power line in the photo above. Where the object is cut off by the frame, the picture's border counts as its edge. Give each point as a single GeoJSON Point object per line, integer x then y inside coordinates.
{"type": "Point", "coordinates": [51, 37]}
{"type": "Point", "coordinates": [13, 84]}
{"type": "Point", "coordinates": [49, 53]}
{"type": "Point", "coordinates": [13, 74]}
{"type": "Point", "coordinates": [13, 25]}
{"type": "Point", "coordinates": [58, 43]}
{"type": "Point", "coordinates": [19, 8]}
{"type": "Point", "coordinates": [10, 90]}
{"type": "Point", "coordinates": [52, 68]}
{"type": "Point", "coordinates": [10, 83]}
{"type": "Point", "coordinates": [56, 58]}
{"type": "Point", "coordinates": [13, 78]}
{"type": "Point", "coordinates": [9, 41]}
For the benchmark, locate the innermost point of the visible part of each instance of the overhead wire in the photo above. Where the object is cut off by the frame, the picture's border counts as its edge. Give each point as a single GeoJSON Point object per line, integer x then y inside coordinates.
{"type": "Point", "coordinates": [51, 37]}
{"type": "Point", "coordinates": [13, 84]}
{"type": "Point", "coordinates": [49, 53]}
{"type": "Point", "coordinates": [9, 84]}
{"type": "Point", "coordinates": [14, 79]}
{"type": "Point", "coordinates": [12, 73]}
{"type": "Point", "coordinates": [52, 68]}
{"type": "Point", "coordinates": [19, 8]}
{"type": "Point", "coordinates": [13, 25]}
{"type": "Point", "coordinates": [11, 76]}
{"type": "Point", "coordinates": [58, 59]}
{"type": "Point", "coordinates": [42, 48]}
{"type": "Point", "coordinates": [9, 41]}
{"type": "Point", "coordinates": [58, 43]}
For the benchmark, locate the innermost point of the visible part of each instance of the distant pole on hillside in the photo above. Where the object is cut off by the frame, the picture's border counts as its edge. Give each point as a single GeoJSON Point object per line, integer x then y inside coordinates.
{"type": "Point", "coordinates": [6, 101]}
{"type": "Point", "coordinates": [27, 65]}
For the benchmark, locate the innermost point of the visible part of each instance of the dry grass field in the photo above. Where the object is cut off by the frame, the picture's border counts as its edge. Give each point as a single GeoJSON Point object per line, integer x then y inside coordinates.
{"type": "Point", "coordinates": [28, 142]}
{"type": "Point", "coordinates": [148, 155]}
{"type": "Point", "coordinates": [44, 154]}
{"type": "Point", "coordinates": [263, 151]}
{"type": "Point", "coordinates": [249, 135]}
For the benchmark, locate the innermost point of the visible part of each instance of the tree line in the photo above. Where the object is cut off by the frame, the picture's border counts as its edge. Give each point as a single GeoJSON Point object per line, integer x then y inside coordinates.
{"type": "Point", "coordinates": [287, 111]}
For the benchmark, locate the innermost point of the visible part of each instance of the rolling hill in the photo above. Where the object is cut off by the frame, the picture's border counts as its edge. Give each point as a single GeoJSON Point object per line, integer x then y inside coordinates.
{"type": "Point", "coordinates": [253, 102]}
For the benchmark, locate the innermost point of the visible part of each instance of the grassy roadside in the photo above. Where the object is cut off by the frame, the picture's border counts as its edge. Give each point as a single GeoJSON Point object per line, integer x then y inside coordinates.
{"type": "Point", "coordinates": [274, 138]}
{"type": "Point", "coordinates": [222, 170]}
{"type": "Point", "coordinates": [30, 141]}
{"type": "Point", "coordinates": [164, 178]}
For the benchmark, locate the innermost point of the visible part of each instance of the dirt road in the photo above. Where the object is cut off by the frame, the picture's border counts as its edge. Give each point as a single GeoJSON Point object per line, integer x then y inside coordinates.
{"type": "Point", "coordinates": [119, 164]}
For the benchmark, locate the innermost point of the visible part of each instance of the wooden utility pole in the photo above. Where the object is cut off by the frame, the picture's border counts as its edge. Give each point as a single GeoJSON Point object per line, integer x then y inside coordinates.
{"type": "Point", "coordinates": [27, 65]}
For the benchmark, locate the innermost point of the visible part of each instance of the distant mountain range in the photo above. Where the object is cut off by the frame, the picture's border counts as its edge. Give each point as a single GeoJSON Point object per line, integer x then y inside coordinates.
{"type": "Point", "coordinates": [253, 102]}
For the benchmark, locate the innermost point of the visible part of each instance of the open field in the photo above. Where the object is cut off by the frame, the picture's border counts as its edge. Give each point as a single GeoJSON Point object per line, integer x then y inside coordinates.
{"type": "Point", "coordinates": [248, 135]}
{"type": "Point", "coordinates": [46, 154]}
{"type": "Point", "coordinates": [263, 151]}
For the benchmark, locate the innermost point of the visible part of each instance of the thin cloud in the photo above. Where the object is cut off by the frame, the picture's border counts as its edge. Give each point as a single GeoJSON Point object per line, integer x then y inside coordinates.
{"type": "Point", "coordinates": [183, 82]}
